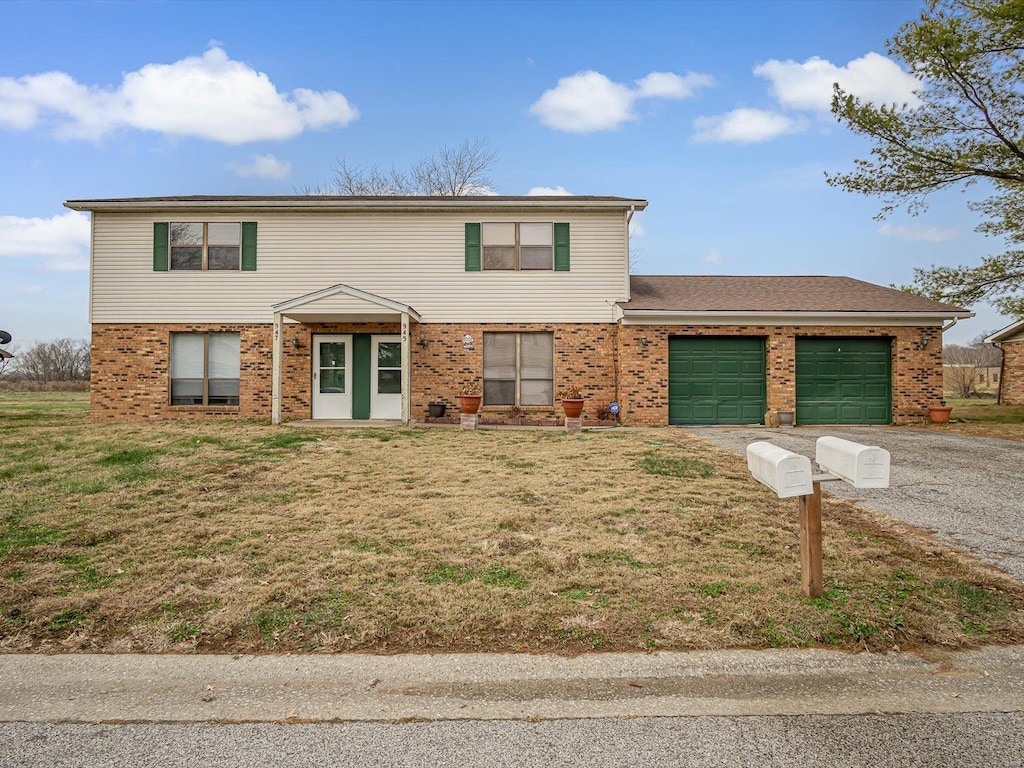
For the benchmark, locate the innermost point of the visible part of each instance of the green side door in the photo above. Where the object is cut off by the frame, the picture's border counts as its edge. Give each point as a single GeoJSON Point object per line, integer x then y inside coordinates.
{"type": "Point", "coordinates": [843, 381]}
{"type": "Point", "coordinates": [716, 380]}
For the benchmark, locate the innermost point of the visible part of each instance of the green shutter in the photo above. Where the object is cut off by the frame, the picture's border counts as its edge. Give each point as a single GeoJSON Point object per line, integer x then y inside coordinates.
{"type": "Point", "coordinates": [160, 245]}
{"type": "Point", "coordinates": [248, 246]}
{"type": "Point", "coordinates": [562, 247]}
{"type": "Point", "coordinates": [472, 247]}
{"type": "Point", "coordinates": [361, 384]}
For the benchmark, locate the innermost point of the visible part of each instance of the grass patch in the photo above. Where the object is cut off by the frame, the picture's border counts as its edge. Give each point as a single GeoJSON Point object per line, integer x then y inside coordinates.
{"type": "Point", "coordinates": [655, 463]}
{"type": "Point", "coordinates": [984, 417]}
{"type": "Point", "coordinates": [128, 457]}
{"type": "Point", "coordinates": [236, 537]}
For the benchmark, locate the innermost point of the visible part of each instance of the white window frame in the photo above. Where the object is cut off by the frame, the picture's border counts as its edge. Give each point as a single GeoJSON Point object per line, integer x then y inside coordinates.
{"type": "Point", "coordinates": [516, 246]}
{"type": "Point", "coordinates": [205, 264]}
{"type": "Point", "coordinates": [519, 369]}
{"type": "Point", "coordinates": [206, 371]}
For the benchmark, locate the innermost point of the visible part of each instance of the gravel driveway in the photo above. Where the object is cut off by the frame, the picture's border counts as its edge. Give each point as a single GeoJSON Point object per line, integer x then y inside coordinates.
{"type": "Point", "coordinates": [969, 490]}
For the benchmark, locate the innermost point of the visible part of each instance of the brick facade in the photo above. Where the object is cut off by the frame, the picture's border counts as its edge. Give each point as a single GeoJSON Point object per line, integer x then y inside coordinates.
{"type": "Point", "coordinates": [1011, 388]}
{"type": "Point", "coordinates": [131, 367]}
{"type": "Point", "coordinates": [643, 367]}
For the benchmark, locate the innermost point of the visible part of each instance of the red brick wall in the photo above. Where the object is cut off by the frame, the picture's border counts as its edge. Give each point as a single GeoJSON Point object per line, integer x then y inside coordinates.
{"type": "Point", "coordinates": [131, 375]}
{"type": "Point", "coordinates": [643, 370]}
{"type": "Point", "coordinates": [131, 367]}
{"type": "Point", "coordinates": [1012, 386]}
{"type": "Point", "coordinates": [584, 355]}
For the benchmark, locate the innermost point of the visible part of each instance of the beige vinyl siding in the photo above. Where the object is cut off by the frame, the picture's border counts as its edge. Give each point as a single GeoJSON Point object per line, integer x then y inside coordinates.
{"type": "Point", "coordinates": [414, 259]}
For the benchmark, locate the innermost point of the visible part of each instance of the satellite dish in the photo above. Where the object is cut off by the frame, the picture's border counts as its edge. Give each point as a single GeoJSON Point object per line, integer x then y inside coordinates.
{"type": "Point", "coordinates": [5, 337]}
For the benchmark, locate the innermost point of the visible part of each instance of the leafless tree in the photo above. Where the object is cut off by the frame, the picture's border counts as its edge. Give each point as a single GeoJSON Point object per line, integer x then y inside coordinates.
{"type": "Point", "coordinates": [964, 366]}
{"type": "Point", "coordinates": [458, 171]}
{"type": "Point", "coordinates": [60, 360]}
{"type": "Point", "coordinates": [7, 361]}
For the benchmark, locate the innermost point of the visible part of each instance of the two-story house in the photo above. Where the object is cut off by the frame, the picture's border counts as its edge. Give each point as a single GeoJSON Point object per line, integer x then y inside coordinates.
{"type": "Point", "coordinates": [302, 307]}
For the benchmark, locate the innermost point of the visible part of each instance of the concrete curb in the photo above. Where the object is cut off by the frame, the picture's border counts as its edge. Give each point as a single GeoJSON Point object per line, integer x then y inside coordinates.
{"type": "Point", "coordinates": [220, 688]}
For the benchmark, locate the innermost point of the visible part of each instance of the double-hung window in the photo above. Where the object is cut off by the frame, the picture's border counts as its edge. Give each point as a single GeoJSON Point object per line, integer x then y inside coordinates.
{"type": "Point", "coordinates": [518, 369]}
{"type": "Point", "coordinates": [205, 368]}
{"type": "Point", "coordinates": [212, 245]}
{"type": "Point", "coordinates": [510, 245]}
{"type": "Point", "coordinates": [517, 246]}
{"type": "Point", "coordinates": [226, 246]}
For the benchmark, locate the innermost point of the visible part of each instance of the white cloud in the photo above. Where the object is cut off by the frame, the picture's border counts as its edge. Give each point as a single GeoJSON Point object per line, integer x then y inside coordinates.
{"type": "Point", "coordinates": [668, 85]}
{"type": "Point", "coordinates": [559, 190]}
{"type": "Point", "coordinates": [210, 96]}
{"type": "Point", "coordinates": [637, 229]}
{"type": "Point", "coordinates": [263, 167]}
{"type": "Point", "coordinates": [589, 101]}
{"type": "Point", "coordinates": [743, 126]}
{"type": "Point", "coordinates": [26, 289]}
{"type": "Point", "coordinates": [62, 240]}
{"type": "Point", "coordinates": [926, 232]}
{"type": "Point", "coordinates": [714, 256]}
{"type": "Point", "coordinates": [808, 86]}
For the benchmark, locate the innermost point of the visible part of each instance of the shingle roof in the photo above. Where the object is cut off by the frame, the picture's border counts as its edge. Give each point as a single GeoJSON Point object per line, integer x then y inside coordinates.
{"type": "Point", "coordinates": [797, 293]}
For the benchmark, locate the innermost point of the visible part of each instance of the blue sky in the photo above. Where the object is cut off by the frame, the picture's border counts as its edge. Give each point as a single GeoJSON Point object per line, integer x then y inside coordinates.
{"type": "Point", "coordinates": [714, 112]}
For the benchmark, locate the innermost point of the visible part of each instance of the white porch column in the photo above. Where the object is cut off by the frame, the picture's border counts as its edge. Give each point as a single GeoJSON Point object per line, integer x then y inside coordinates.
{"type": "Point", "coordinates": [275, 386]}
{"type": "Point", "coordinates": [406, 370]}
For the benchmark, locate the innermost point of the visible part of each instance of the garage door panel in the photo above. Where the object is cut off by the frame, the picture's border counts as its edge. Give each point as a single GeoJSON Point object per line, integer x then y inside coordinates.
{"type": "Point", "coordinates": [716, 380]}
{"type": "Point", "coordinates": [843, 381]}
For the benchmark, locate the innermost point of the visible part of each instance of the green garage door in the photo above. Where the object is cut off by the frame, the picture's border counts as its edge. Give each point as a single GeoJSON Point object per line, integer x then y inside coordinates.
{"type": "Point", "coordinates": [843, 381]}
{"type": "Point", "coordinates": [716, 380]}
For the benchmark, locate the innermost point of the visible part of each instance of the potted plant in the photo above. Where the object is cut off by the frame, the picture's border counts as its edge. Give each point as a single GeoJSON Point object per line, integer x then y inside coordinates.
{"type": "Point", "coordinates": [436, 410]}
{"type": "Point", "coordinates": [470, 397]}
{"type": "Point", "coordinates": [939, 414]}
{"type": "Point", "coordinates": [572, 401]}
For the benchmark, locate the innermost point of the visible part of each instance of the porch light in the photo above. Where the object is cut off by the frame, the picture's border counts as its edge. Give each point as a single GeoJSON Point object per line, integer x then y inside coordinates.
{"type": "Point", "coordinates": [295, 342]}
{"type": "Point", "coordinates": [643, 342]}
{"type": "Point", "coordinates": [423, 341]}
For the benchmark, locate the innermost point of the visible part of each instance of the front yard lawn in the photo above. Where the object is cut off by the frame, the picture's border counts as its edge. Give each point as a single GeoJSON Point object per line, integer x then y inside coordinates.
{"type": "Point", "coordinates": [237, 536]}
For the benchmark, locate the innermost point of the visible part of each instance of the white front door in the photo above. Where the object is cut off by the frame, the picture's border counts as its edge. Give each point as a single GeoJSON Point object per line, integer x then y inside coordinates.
{"type": "Point", "coordinates": [332, 377]}
{"type": "Point", "coordinates": [386, 377]}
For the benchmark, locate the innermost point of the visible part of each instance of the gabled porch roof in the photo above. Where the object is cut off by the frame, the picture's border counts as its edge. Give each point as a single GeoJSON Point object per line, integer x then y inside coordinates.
{"type": "Point", "coordinates": [343, 301]}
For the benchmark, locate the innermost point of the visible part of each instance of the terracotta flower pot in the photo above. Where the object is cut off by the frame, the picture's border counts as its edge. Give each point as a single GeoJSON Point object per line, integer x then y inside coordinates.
{"type": "Point", "coordinates": [939, 414]}
{"type": "Point", "coordinates": [470, 403]}
{"type": "Point", "coordinates": [572, 408]}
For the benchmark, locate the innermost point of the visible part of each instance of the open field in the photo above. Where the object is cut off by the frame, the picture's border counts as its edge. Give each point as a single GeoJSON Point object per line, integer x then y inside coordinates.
{"type": "Point", "coordinates": [236, 536]}
{"type": "Point", "coordinates": [985, 418]}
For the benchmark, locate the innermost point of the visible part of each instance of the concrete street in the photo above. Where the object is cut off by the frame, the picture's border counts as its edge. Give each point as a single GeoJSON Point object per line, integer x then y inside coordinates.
{"type": "Point", "coordinates": [779, 707]}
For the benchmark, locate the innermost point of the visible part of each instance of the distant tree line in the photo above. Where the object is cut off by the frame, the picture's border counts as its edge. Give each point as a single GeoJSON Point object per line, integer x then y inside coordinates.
{"type": "Point", "coordinates": [47, 361]}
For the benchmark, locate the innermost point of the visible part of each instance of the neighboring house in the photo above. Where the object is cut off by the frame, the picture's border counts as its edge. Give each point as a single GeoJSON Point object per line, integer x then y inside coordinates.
{"type": "Point", "coordinates": [978, 378]}
{"type": "Point", "coordinates": [304, 307]}
{"type": "Point", "coordinates": [1011, 380]}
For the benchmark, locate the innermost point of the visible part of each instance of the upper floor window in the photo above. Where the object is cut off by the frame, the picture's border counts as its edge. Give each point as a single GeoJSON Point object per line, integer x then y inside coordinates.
{"type": "Point", "coordinates": [525, 245]}
{"type": "Point", "coordinates": [198, 245]}
{"type": "Point", "coordinates": [206, 245]}
{"type": "Point", "coordinates": [517, 246]}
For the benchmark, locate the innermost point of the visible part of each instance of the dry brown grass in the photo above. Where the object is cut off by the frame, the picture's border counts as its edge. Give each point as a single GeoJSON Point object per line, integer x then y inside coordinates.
{"type": "Point", "coordinates": [234, 536]}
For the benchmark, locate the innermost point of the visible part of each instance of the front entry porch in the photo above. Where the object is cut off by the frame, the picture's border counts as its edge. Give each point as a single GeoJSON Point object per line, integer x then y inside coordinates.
{"type": "Point", "coordinates": [353, 376]}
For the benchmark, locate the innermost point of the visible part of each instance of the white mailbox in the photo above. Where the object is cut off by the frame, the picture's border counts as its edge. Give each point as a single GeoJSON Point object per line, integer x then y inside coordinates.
{"type": "Point", "coordinates": [864, 466]}
{"type": "Point", "coordinates": [785, 472]}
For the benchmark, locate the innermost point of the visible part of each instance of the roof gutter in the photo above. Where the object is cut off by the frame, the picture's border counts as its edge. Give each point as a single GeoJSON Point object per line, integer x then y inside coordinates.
{"type": "Point", "coordinates": [327, 204]}
{"type": "Point", "coordinates": [753, 317]}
